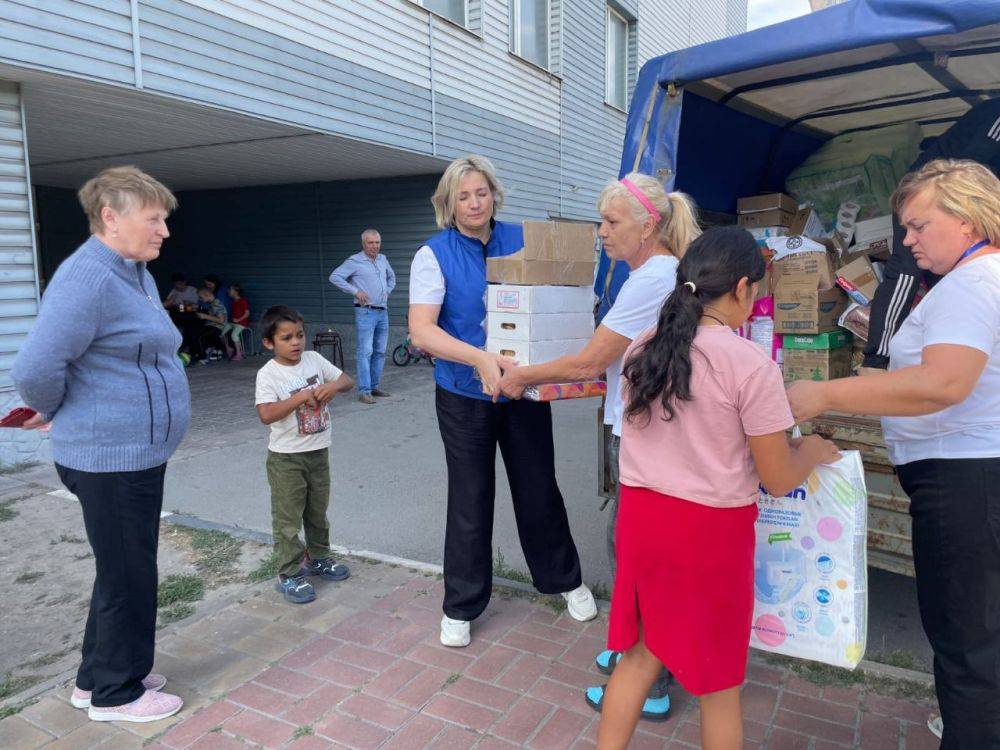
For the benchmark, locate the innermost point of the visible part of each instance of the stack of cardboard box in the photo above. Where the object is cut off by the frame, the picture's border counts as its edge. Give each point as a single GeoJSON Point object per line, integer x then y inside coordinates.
{"type": "Point", "coordinates": [766, 216]}
{"type": "Point", "coordinates": [540, 304]}
{"type": "Point", "coordinates": [823, 356]}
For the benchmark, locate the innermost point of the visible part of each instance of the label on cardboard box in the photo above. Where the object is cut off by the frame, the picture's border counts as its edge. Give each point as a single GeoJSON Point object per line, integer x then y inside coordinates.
{"type": "Point", "coordinates": [814, 268]}
{"type": "Point", "coordinates": [816, 364]}
{"type": "Point", "coordinates": [831, 340]}
{"type": "Point", "coordinates": [540, 326]}
{"type": "Point", "coordinates": [766, 202]}
{"type": "Point", "coordinates": [801, 308]}
{"type": "Point", "coordinates": [539, 299]}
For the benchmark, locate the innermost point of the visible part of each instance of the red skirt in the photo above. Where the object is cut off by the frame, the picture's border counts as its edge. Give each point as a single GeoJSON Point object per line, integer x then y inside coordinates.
{"type": "Point", "coordinates": [685, 573]}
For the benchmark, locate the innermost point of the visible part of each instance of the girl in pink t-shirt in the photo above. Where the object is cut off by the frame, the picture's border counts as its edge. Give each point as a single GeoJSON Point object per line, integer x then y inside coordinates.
{"type": "Point", "coordinates": [705, 422]}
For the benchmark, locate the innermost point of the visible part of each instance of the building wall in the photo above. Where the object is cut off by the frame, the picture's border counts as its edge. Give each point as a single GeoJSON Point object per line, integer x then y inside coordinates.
{"type": "Point", "coordinates": [18, 295]}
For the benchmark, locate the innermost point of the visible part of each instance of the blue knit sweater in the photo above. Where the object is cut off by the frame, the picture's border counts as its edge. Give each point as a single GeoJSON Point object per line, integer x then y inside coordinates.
{"type": "Point", "coordinates": [101, 362]}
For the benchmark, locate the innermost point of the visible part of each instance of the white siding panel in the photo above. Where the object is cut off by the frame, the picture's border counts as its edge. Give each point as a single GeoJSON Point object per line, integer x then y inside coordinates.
{"type": "Point", "coordinates": [18, 287]}
{"type": "Point", "coordinates": [209, 58]}
{"type": "Point", "coordinates": [87, 38]}
{"type": "Point", "coordinates": [389, 37]}
{"type": "Point", "coordinates": [669, 25]}
{"type": "Point", "coordinates": [483, 72]}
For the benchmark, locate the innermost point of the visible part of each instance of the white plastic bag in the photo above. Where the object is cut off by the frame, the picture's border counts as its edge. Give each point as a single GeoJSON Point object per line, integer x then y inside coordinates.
{"type": "Point", "coordinates": [810, 567]}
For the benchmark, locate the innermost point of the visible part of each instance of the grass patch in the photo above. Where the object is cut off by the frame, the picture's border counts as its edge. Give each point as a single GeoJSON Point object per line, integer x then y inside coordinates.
{"type": "Point", "coordinates": [900, 658]}
{"type": "Point", "coordinates": [31, 575]}
{"type": "Point", "coordinates": [502, 570]}
{"type": "Point", "coordinates": [303, 731]}
{"type": "Point", "coordinates": [71, 539]}
{"type": "Point", "coordinates": [452, 678]}
{"type": "Point", "coordinates": [175, 612]}
{"type": "Point", "coordinates": [17, 467]}
{"type": "Point", "coordinates": [216, 552]}
{"type": "Point", "coordinates": [267, 569]}
{"type": "Point", "coordinates": [12, 685]}
{"type": "Point", "coordinates": [176, 589]}
{"type": "Point", "coordinates": [7, 512]}
{"type": "Point", "coordinates": [600, 591]}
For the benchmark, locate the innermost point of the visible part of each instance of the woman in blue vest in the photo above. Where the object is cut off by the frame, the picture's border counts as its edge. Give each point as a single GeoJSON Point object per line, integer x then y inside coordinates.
{"type": "Point", "coordinates": [447, 319]}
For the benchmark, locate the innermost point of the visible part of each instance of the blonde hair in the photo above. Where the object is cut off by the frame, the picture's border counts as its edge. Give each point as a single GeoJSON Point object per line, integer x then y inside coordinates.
{"type": "Point", "coordinates": [678, 225]}
{"type": "Point", "coordinates": [444, 197]}
{"type": "Point", "coordinates": [122, 189]}
{"type": "Point", "coordinates": [965, 189]}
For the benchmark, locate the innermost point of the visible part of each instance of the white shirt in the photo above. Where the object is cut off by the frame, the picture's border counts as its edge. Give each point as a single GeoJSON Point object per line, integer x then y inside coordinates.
{"type": "Point", "coordinates": [426, 279]}
{"type": "Point", "coordinates": [636, 308]}
{"type": "Point", "coordinates": [963, 309]}
{"type": "Point", "coordinates": [307, 428]}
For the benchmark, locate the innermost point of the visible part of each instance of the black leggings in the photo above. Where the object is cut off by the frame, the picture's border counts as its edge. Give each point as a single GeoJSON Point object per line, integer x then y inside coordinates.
{"type": "Point", "coordinates": [955, 504]}
{"type": "Point", "coordinates": [471, 429]}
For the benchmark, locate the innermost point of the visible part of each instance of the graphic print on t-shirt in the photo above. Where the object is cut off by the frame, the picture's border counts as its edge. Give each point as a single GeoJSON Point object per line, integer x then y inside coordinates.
{"type": "Point", "coordinates": [310, 419]}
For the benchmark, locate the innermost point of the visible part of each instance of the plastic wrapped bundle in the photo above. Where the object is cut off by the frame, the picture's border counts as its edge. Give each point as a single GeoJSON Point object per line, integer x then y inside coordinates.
{"type": "Point", "coordinates": [861, 167]}
{"type": "Point", "coordinates": [560, 391]}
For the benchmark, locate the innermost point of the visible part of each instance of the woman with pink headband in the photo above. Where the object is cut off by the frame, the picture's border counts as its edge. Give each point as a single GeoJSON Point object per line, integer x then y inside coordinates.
{"type": "Point", "coordinates": [649, 230]}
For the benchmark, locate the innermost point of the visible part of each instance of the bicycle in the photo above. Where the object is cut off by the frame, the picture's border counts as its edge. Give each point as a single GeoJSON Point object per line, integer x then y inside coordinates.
{"type": "Point", "coordinates": [406, 352]}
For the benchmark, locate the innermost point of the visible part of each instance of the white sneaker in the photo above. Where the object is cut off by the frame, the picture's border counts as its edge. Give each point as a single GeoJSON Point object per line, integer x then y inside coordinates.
{"type": "Point", "coordinates": [455, 633]}
{"type": "Point", "coordinates": [580, 603]}
{"type": "Point", "coordinates": [936, 725]}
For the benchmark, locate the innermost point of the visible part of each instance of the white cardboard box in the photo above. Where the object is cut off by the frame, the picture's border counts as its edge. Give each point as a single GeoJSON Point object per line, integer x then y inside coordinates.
{"type": "Point", "coordinates": [514, 298]}
{"type": "Point", "coordinates": [534, 352]}
{"type": "Point", "coordinates": [540, 326]}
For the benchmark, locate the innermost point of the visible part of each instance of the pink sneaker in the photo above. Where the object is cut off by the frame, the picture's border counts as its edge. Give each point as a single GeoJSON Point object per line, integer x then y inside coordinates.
{"type": "Point", "coordinates": [81, 698]}
{"type": "Point", "coordinates": [150, 706]}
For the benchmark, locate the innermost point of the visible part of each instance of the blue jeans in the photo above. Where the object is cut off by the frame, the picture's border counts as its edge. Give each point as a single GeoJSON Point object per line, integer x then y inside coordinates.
{"type": "Point", "coordinates": [373, 335]}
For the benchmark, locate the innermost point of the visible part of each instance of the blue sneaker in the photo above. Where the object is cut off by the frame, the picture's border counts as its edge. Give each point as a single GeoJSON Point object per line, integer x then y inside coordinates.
{"type": "Point", "coordinates": [326, 568]}
{"type": "Point", "coordinates": [654, 709]}
{"type": "Point", "coordinates": [296, 589]}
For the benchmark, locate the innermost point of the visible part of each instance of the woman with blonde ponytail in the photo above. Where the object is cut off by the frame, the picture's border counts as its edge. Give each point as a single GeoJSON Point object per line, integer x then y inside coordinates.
{"type": "Point", "coordinates": [649, 230]}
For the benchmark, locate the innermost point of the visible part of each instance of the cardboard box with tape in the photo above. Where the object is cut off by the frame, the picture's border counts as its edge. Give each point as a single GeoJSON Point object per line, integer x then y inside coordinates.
{"type": "Point", "coordinates": [859, 279]}
{"type": "Point", "coordinates": [769, 210]}
{"type": "Point", "coordinates": [800, 307]}
{"type": "Point", "coordinates": [557, 253]}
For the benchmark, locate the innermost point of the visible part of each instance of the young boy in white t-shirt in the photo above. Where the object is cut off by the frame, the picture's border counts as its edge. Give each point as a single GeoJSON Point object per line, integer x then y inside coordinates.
{"type": "Point", "coordinates": [293, 391]}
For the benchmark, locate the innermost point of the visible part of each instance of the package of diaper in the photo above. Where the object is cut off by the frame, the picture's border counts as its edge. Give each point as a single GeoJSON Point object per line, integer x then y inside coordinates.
{"type": "Point", "coordinates": [810, 567]}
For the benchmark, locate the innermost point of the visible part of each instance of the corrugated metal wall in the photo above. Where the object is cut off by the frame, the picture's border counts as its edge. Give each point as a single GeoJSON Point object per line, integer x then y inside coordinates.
{"type": "Point", "coordinates": [18, 298]}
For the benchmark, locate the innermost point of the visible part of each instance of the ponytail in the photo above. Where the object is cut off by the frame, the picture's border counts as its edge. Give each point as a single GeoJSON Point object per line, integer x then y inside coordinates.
{"type": "Point", "coordinates": [681, 229]}
{"type": "Point", "coordinates": [710, 269]}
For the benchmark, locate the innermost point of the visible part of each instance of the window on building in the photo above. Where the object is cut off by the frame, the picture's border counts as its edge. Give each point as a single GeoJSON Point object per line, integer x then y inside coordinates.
{"type": "Point", "coordinates": [529, 30]}
{"type": "Point", "coordinates": [617, 45]}
{"type": "Point", "coordinates": [453, 10]}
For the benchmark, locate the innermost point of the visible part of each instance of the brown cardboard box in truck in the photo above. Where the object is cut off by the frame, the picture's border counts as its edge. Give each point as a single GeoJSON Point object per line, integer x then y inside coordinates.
{"type": "Point", "coordinates": [807, 223]}
{"type": "Point", "coordinates": [816, 364]}
{"type": "Point", "coordinates": [861, 274]}
{"type": "Point", "coordinates": [799, 265]}
{"type": "Point", "coordinates": [800, 307]}
{"type": "Point", "coordinates": [772, 218]}
{"type": "Point", "coordinates": [557, 253]}
{"type": "Point", "coordinates": [766, 202]}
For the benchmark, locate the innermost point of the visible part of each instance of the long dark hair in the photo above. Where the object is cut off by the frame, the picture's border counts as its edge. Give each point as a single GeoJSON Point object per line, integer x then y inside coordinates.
{"type": "Point", "coordinates": [661, 368]}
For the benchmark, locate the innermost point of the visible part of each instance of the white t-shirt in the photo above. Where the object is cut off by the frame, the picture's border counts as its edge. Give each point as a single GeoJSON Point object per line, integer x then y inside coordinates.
{"type": "Point", "coordinates": [636, 308]}
{"type": "Point", "coordinates": [307, 428]}
{"type": "Point", "coordinates": [963, 309]}
{"type": "Point", "coordinates": [426, 279]}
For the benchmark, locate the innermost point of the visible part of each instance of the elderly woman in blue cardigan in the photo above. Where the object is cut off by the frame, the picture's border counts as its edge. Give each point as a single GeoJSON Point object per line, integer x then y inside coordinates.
{"type": "Point", "coordinates": [101, 366]}
{"type": "Point", "coordinates": [447, 311]}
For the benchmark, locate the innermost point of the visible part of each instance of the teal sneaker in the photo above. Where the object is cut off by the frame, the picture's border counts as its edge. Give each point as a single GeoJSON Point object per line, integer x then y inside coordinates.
{"type": "Point", "coordinates": [654, 709]}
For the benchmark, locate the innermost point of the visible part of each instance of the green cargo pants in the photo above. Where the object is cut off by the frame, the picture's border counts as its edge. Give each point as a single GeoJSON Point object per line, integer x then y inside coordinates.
{"type": "Point", "coordinates": [300, 496]}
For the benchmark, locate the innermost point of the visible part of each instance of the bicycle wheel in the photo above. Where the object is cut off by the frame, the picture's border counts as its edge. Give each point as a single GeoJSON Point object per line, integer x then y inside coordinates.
{"type": "Point", "coordinates": [400, 356]}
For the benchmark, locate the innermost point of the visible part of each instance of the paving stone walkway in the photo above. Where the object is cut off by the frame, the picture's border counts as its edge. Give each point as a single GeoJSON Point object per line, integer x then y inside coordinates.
{"type": "Point", "coordinates": [361, 668]}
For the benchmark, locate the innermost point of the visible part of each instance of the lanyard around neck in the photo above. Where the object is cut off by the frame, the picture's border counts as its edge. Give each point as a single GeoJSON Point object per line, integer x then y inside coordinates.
{"type": "Point", "coordinates": [969, 251]}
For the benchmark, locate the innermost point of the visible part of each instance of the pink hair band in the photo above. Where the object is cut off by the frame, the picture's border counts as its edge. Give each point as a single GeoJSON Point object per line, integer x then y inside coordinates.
{"type": "Point", "coordinates": [641, 197]}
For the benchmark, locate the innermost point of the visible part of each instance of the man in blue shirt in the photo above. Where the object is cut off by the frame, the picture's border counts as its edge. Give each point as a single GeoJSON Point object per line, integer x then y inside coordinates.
{"type": "Point", "coordinates": [369, 279]}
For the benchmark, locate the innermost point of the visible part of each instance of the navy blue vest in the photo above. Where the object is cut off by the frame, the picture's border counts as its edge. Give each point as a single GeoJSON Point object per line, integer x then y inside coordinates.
{"type": "Point", "coordinates": [463, 313]}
